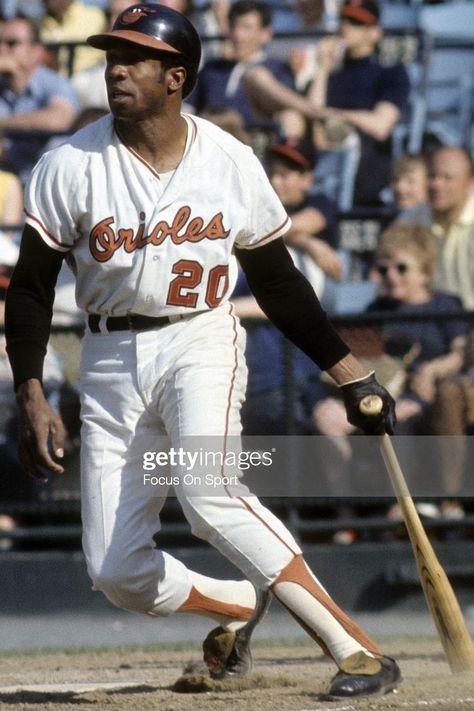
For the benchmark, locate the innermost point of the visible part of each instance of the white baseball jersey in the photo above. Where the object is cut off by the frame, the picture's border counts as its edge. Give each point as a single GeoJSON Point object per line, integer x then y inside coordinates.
{"type": "Point", "coordinates": [140, 243]}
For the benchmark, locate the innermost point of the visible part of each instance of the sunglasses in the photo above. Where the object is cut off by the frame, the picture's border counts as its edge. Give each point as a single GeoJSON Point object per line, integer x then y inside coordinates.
{"type": "Point", "coordinates": [11, 42]}
{"type": "Point", "coordinates": [400, 267]}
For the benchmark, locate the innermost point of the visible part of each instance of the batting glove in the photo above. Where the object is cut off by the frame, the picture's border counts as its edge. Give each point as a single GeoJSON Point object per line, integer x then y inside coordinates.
{"type": "Point", "coordinates": [355, 391]}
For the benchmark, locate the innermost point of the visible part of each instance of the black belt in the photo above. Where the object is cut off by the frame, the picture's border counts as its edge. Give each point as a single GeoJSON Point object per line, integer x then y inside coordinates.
{"type": "Point", "coordinates": [130, 322]}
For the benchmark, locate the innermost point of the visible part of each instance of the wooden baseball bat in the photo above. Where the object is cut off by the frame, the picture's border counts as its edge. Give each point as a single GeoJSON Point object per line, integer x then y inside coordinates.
{"type": "Point", "coordinates": [443, 605]}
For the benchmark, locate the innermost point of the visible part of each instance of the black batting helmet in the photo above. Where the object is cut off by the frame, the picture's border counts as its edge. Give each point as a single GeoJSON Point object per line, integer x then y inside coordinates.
{"type": "Point", "coordinates": [158, 28]}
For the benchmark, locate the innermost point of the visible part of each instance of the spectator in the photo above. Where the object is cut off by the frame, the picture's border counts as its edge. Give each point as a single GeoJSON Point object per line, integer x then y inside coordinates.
{"type": "Point", "coordinates": [405, 261]}
{"type": "Point", "coordinates": [278, 401]}
{"type": "Point", "coordinates": [453, 418]}
{"type": "Point", "coordinates": [310, 14]}
{"type": "Point", "coordinates": [352, 91]}
{"type": "Point", "coordinates": [303, 59]}
{"type": "Point", "coordinates": [89, 84]}
{"type": "Point", "coordinates": [314, 217]}
{"type": "Point", "coordinates": [449, 215]}
{"type": "Point", "coordinates": [409, 182]}
{"type": "Point", "coordinates": [425, 351]}
{"type": "Point", "coordinates": [11, 201]}
{"type": "Point", "coordinates": [212, 20]}
{"type": "Point", "coordinates": [71, 21]}
{"type": "Point", "coordinates": [223, 82]}
{"type": "Point", "coordinates": [32, 97]}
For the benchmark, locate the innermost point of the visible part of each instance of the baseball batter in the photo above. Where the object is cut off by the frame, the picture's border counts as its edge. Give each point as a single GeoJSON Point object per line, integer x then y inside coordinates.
{"type": "Point", "coordinates": [150, 207]}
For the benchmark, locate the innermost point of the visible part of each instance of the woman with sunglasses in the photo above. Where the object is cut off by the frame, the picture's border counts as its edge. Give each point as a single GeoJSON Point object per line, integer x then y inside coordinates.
{"type": "Point", "coordinates": [405, 263]}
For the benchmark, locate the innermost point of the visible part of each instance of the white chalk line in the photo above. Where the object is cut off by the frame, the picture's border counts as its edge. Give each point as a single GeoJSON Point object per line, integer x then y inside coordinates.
{"type": "Point", "coordinates": [72, 687]}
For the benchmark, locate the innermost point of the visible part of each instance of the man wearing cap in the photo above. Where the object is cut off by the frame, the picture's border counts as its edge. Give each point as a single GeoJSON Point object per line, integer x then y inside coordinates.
{"type": "Point", "coordinates": [149, 205]}
{"type": "Point", "coordinates": [351, 86]}
{"type": "Point", "coordinates": [314, 231]}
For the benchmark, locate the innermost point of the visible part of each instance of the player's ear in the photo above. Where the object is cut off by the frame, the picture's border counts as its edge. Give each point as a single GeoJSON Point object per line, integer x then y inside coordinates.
{"type": "Point", "coordinates": [176, 78]}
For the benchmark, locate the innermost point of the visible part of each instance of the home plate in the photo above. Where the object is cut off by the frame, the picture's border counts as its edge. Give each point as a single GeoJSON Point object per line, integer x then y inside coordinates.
{"type": "Point", "coordinates": [71, 688]}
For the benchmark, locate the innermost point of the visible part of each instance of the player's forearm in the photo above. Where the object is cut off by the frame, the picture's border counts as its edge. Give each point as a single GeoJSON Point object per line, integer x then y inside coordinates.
{"type": "Point", "coordinates": [347, 369]}
{"type": "Point", "coordinates": [28, 309]}
{"type": "Point", "coordinates": [27, 325]}
{"type": "Point", "coordinates": [29, 390]}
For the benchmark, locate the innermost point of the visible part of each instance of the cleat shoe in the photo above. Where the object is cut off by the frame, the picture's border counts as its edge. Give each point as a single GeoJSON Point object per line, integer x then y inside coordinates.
{"type": "Point", "coordinates": [227, 654]}
{"type": "Point", "coordinates": [364, 683]}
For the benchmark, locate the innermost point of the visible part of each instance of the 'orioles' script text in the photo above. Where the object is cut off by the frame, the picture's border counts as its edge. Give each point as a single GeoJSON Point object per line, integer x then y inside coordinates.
{"type": "Point", "coordinates": [104, 240]}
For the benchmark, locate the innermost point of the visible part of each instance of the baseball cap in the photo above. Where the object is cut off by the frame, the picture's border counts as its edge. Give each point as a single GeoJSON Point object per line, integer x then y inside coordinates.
{"type": "Point", "coordinates": [299, 154]}
{"type": "Point", "coordinates": [367, 12]}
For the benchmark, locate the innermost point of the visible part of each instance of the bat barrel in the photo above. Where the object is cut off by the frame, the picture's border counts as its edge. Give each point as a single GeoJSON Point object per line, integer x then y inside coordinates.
{"type": "Point", "coordinates": [440, 597]}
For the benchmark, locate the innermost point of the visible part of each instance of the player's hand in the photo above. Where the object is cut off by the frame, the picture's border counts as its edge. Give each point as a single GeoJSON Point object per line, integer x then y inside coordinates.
{"type": "Point", "coordinates": [354, 392]}
{"type": "Point", "coordinates": [40, 428]}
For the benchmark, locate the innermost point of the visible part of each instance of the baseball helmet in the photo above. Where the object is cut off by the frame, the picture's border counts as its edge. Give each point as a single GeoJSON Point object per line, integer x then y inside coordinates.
{"type": "Point", "coordinates": [158, 28]}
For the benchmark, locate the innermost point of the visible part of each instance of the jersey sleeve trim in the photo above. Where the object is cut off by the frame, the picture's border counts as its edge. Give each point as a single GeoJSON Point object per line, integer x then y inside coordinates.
{"type": "Point", "coordinates": [47, 237]}
{"type": "Point", "coordinates": [278, 232]}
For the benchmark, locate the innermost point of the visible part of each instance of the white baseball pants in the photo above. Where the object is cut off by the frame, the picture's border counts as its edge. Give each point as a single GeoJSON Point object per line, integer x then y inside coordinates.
{"type": "Point", "coordinates": [185, 379]}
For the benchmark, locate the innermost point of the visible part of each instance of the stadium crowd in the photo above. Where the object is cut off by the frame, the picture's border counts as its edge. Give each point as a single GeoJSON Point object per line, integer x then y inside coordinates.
{"type": "Point", "coordinates": [329, 117]}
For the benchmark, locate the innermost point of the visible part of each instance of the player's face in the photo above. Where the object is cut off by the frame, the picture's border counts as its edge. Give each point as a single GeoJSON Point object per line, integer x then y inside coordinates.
{"type": "Point", "coordinates": [290, 185]}
{"type": "Point", "coordinates": [136, 83]}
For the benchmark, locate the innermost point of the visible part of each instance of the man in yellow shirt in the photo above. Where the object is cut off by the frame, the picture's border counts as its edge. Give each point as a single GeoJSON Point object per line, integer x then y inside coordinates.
{"type": "Point", "coordinates": [71, 21]}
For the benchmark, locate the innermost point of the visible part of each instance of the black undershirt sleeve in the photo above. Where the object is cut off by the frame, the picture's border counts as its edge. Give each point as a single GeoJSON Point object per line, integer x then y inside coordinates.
{"type": "Point", "coordinates": [289, 301]}
{"type": "Point", "coordinates": [29, 306]}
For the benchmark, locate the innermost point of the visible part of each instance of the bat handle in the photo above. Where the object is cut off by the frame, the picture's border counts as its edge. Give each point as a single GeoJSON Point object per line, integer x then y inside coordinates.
{"type": "Point", "coordinates": [371, 405]}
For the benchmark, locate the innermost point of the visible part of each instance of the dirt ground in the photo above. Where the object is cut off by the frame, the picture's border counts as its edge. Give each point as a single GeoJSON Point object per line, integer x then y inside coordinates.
{"type": "Point", "coordinates": [287, 676]}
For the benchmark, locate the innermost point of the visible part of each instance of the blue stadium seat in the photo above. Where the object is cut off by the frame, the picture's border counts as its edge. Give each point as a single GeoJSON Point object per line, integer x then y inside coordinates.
{"type": "Point", "coordinates": [396, 15]}
{"type": "Point", "coordinates": [284, 18]}
{"type": "Point", "coordinates": [450, 19]}
{"type": "Point", "coordinates": [447, 90]}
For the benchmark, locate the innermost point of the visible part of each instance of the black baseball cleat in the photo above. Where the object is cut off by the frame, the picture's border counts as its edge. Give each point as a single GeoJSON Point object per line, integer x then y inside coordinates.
{"type": "Point", "coordinates": [227, 654]}
{"type": "Point", "coordinates": [355, 684]}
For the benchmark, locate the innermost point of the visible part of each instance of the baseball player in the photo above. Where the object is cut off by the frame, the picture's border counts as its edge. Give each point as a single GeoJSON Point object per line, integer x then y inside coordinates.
{"type": "Point", "coordinates": [149, 208]}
